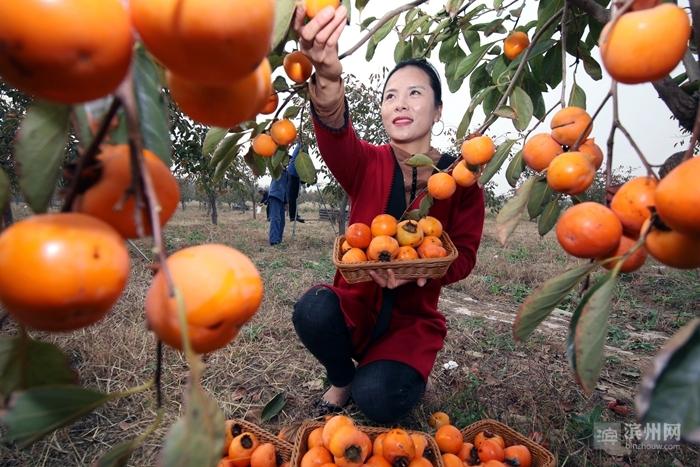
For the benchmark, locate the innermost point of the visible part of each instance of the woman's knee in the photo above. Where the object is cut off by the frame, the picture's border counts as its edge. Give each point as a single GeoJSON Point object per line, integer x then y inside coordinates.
{"type": "Point", "coordinates": [318, 309]}
{"type": "Point", "coordinates": [386, 391]}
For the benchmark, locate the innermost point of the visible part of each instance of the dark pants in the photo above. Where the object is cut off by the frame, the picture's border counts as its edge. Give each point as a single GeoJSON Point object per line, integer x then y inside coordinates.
{"type": "Point", "coordinates": [293, 185]}
{"type": "Point", "coordinates": [384, 390]}
{"type": "Point", "coordinates": [276, 220]}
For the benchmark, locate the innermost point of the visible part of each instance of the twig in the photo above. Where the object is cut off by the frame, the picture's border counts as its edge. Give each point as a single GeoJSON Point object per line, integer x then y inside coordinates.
{"type": "Point", "coordinates": [540, 121]}
{"type": "Point", "coordinates": [562, 31]}
{"type": "Point", "coordinates": [521, 66]}
{"type": "Point", "coordinates": [611, 140]}
{"type": "Point", "coordinates": [159, 372]}
{"type": "Point", "coordinates": [294, 92]}
{"type": "Point", "coordinates": [90, 153]}
{"type": "Point", "coordinates": [579, 140]}
{"type": "Point", "coordinates": [135, 247]}
{"type": "Point", "coordinates": [382, 21]}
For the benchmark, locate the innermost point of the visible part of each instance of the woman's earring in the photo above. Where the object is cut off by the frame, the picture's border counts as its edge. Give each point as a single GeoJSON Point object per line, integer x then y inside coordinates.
{"type": "Point", "coordinates": [442, 128]}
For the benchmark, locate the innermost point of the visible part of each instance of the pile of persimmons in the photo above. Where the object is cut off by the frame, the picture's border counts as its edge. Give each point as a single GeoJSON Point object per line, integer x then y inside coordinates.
{"type": "Point", "coordinates": [387, 239]}
{"type": "Point", "coordinates": [338, 442]}
{"type": "Point", "coordinates": [244, 449]}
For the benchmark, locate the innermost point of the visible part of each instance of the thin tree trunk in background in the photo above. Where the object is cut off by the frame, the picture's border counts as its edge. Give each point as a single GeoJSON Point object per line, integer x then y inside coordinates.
{"type": "Point", "coordinates": [343, 209]}
{"type": "Point", "coordinates": [253, 194]}
{"type": "Point", "coordinates": [183, 203]}
{"type": "Point", "coordinates": [7, 218]}
{"type": "Point", "coordinates": [212, 206]}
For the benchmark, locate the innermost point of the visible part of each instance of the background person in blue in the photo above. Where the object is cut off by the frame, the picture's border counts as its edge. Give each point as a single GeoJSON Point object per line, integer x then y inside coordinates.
{"type": "Point", "coordinates": [279, 195]}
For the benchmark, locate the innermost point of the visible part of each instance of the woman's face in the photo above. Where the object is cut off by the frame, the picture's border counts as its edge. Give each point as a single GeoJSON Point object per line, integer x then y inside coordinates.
{"type": "Point", "coordinates": [408, 106]}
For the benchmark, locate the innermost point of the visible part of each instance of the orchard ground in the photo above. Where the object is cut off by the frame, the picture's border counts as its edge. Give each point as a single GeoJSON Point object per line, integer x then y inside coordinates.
{"type": "Point", "coordinates": [527, 385]}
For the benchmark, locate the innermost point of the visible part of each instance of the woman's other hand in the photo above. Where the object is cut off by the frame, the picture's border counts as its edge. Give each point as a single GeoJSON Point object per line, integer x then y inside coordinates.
{"type": "Point", "coordinates": [318, 39]}
{"type": "Point", "coordinates": [387, 278]}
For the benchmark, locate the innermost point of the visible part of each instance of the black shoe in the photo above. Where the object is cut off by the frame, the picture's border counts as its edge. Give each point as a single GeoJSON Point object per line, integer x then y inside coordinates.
{"type": "Point", "coordinates": [299, 219]}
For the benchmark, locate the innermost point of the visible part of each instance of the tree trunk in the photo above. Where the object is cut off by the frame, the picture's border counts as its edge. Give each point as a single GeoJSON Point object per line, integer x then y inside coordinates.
{"type": "Point", "coordinates": [183, 203]}
{"type": "Point", "coordinates": [343, 209]}
{"type": "Point", "coordinates": [212, 206]}
{"type": "Point", "coordinates": [7, 218]}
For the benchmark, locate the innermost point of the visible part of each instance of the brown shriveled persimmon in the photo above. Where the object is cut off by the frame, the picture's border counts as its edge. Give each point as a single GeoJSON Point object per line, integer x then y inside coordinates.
{"type": "Point", "coordinates": [358, 235]}
{"type": "Point", "coordinates": [383, 224]}
{"type": "Point", "coordinates": [571, 173]}
{"type": "Point", "coordinates": [223, 105]}
{"type": "Point", "coordinates": [283, 132]}
{"type": "Point", "coordinates": [569, 124]}
{"type": "Point", "coordinates": [221, 289]}
{"type": "Point", "coordinates": [677, 197]}
{"type": "Point", "coordinates": [539, 150]}
{"type": "Point", "coordinates": [632, 202]}
{"type": "Point", "coordinates": [111, 199]}
{"type": "Point", "coordinates": [645, 45]}
{"type": "Point", "coordinates": [589, 230]}
{"type": "Point", "coordinates": [441, 185]}
{"type": "Point", "coordinates": [61, 271]}
{"type": "Point", "coordinates": [297, 66]}
{"type": "Point", "coordinates": [515, 44]}
{"type": "Point", "coordinates": [67, 51]}
{"type": "Point", "coordinates": [207, 41]}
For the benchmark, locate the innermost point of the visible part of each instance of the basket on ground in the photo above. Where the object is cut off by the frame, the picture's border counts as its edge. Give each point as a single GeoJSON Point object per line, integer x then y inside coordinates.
{"type": "Point", "coordinates": [430, 268]}
{"type": "Point", "coordinates": [283, 448]}
{"type": "Point", "coordinates": [309, 425]}
{"type": "Point", "coordinates": [541, 457]}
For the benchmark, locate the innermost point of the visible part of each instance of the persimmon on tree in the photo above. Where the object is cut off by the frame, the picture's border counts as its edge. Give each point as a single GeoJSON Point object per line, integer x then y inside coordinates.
{"type": "Point", "coordinates": [218, 73]}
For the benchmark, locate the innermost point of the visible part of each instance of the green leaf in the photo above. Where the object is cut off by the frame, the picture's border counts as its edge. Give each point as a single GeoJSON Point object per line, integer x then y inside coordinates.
{"type": "Point", "coordinates": [361, 4]}
{"type": "Point", "coordinates": [402, 51]}
{"type": "Point", "coordinates": [467, 117]}
{"type": "Point", "coordinates": [515, 168]}
{"type": "Point", "coordinates": [577, 97]}
{"type": "Point", "coordinates": [38, 411]}
{"type": "Point", "coordinates": [419, 160]}
{"type": "Point", "coordinates": [590, 332]}
{"type": "Point", "coordinates": [425, 204]}
{"type": "Point", "coordinates": [225, 163]}
{"type": "Point", "coordinates": [456, 55]}
{"type": "Point", "coordinates": [280, 84]}
{"type": "Point", "coordinates": [522, 104]}
{"type": "Point", "coordinates": [292, 111]}
{"type": "Point", "coordinates": [542, 301]}
{"type": "Point", "coordinates": [592, 67]}
{"type": "Point", "coordinates": [494, 165]}
{"type": "Point", "coordinates": [212, 140]}
{"type": "Point", "coordinates": [545, 10]}
{"type": "Point", "coordinates": [447, 47]}
{"type": "Point", "coordinates": [491, 100]}
{"type": "Point", "coordinates": [551, 72]}
{"type": "Point", "coordinates": [505, 111]}
{"type": "Point", "coordinates": [548, 218]}
{"type": "Point", "coordinates": [256, 163]}
{"type": "Point", "coordinates": [4, 189]}
{"type": "Point", "coordinates": [39, 151]}
{"type": "Point", "coordinates": [273, 408]}
{"type": "Point", "coordinates": [305, 168]}
{"type": "Point", "coordinates": [472, 38]}
{"type": "Point", "coordinates": [196, 439]}
{"type": "Point", "coordinates": [539, 196]}
{"type": "Point", "coordinates": [26, 363]}
{"type": "Point", "coordinates": [453, 7]}
{"type": "Point", "coordinates": [280, 157]}
{"type": "Point", "coordinates": [537, 49]}
{"type": "Point", "coordinates": [284, 11]}
{"type": "Point", "coordinates": [470, 62]}
{"type": "Point", "coordinates": [366, 22]}
{"type": "Point", "coordinates": [275, 170]}
{"type": "Point", "coordinates": [510, 214]}
{"type": "Point", "coordinates": [479, 80]}
{"type": "Point", "coordinates": [670, 389]}
{"type": "Point", "coordinates": [152, 107]}
{"type": "Point", "coordinates": [378, 36]}
{"type": "Point", "coordinates": [225, 148]}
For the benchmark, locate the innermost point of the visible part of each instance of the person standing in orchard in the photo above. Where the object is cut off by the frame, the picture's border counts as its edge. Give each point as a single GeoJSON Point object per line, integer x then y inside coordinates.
{"type": "Point", "coordinates": [391, 327]}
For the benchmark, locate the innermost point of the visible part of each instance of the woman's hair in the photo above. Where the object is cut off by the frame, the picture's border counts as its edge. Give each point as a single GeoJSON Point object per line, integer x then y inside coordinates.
{"type": "Point", "coordinates": [428, 69]}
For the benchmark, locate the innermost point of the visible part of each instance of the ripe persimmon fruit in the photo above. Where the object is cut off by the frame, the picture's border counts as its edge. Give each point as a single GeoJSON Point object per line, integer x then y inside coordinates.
{"type": "Point", "coordinates": [345, 247]}
{"type": "Point", "coordinates": [449, 439]}
{"type": "Point", "coordinates": [265, 455]}
{"type": "Point", "coordinates": [463, 175]}
{"type": "Point", "coordinates": [398, 447]}
{"type": "Point", "coordinates": [517, 455]}
{"type": "Point", "coordinates": [316, 457]}
{"type": "Point", "coordinates": [297, 66]}
{"type": "Point", "coordinates": [468, 454]}
{"type": "Point", "coordinates": [383, 224]}
{"type": "Point", "coordinates": [589, 230]}
{"type": "Point", "coordinates": [420, 443]}
{"type": "Point", "coordinates": [312, 7]}
{"type": "Point", "coordinates": [332, 425]}
{"type": "Point", "coordinates": [569, 124]}
{"type": "Point", "coordinates": [222, 105]}
{"type": "Point", "coordinates": [431, 226]}
{"type": "Point", "coordinates": [672, 248]}
{"type": "Point", "coordinates": [221, 289]}
{"type": "Point", "coordinates": [632, 203]}
{"type": "Point", "coordinates": [63, 50]}
{"type": "Point", "coordinates": [409, 232]}
{"type": "Point", "coordinates": [677, 197]}
{"type": "Point", "coordinates": [515, 44]}
{"type": "Point", "coordinates": [478, 150]}
{"type": "Point", "coordinates": [315, 438]}
{"type": "Point", "coordinates": [633, 262]}
{"type": "Point", "coordinates": [376, 460]}
{"type": "Point", "coordinates": [490, 450]}
{"type": "Point", "coordinates": [593, 151]}
{"type": "Point", "coordinates": [645, 45]}
{"type": "Point", "coordinates": [264, 145]}
{"type": "Point", "coordinates": [358, 235]}
{"type": "Point", "coordinates": [271, 104]}
{"type": "Point", "coordinates": [486, 434]}
{"type": "Point", "coordinates": [242, 447]}
{"type": "Point", "coordinates": [441, 185]}
{"type": "Point", "coordinates": [438, 419]}
{"type": "Point", "coordinates": [377, 445]}
{"type": "Point", "coordinates": [350, 444]}
{"type": "Point", "coordinates": [232, 430]}
{"type": "Point", "coordinates": [451, 460]}
{"type": "Point", "coordinates": [382, 248]}
{"type": "Point", "coordinates": [111, 198]}
{"type": "Point", "coordinates": [283, 132]}
{"type": "Point", "coordinates": [61, 271]}
{"type": "Point", "coordinates": [539, 150]}
{"type": "Point", "coordinates": [644, 4]}
{"type": "Point", "coordinates": [571, 173]}
{"type": "Point", "coordinates": [431, 250]}
{"type": "Point", "coordinates": [420, 461]}
{"type": "Point", "coordinates": [353, 255]}
{"type": "Point", "coordinates": [206, 41]}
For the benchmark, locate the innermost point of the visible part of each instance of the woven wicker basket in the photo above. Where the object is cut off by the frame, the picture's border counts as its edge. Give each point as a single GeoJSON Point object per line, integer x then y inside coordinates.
{"type": "Point", "coordinates": [540, 456]}
{"type": "Point", "coordinates": [283, 448]}
{"type": "Point", "coordinates": [430, 268]}
{"type": "Point", "coordinates": [309, 425]}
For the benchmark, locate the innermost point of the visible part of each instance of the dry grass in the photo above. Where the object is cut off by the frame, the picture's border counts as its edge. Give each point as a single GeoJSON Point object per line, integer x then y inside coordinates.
{"type": "Point", "coordinates": [528, 386]}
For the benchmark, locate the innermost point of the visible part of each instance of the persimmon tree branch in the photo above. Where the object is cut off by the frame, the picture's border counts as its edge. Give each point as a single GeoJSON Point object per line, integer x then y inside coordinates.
{"type": "Point", "coordinates": [563, 54]}
{"type": "Point", "coordinates": [292, 93]}
{"type": "Point", "coordinates": [382, 21]}
{"type": "Point", "coordinates": [694, 138]}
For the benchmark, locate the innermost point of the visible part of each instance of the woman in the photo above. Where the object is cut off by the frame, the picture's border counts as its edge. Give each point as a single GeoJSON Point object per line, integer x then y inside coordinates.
{"type": "Point", "coordinates": [390, 327]}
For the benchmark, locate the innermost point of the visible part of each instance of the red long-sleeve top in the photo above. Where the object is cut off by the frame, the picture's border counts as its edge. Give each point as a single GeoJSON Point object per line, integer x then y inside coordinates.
{"type": "Point", "coordinates": [417, 329]}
